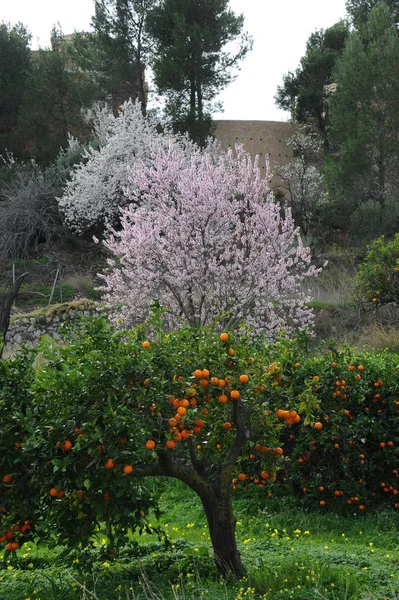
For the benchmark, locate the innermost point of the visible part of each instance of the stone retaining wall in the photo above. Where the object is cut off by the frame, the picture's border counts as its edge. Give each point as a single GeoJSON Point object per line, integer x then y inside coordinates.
{"type": "Point", "coordinates": [29, 329]}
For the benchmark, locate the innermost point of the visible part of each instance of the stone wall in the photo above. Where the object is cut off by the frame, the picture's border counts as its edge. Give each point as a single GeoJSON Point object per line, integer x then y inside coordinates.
{"type": "Point", "coordinates": [28, 329]}
{"type": "Point", "coordinates": [268, 139]}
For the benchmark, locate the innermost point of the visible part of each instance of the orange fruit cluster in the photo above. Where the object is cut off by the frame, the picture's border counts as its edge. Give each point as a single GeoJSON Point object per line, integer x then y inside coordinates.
{"type": "Point", "coordinates": [290, 417]}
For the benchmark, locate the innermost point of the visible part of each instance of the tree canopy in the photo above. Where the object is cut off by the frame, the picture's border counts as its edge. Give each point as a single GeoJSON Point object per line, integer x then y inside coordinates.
{"type": "Point", "coordinates": [364, 114]}
{"type": "Point", "coordinates": [209, 241]}
{"type": "Point", "coordinates": [305, 92]}
{"type": "Point", "coordinates": [191, 64]}
{"type": "Point", "coordinates": [359, 10]}
{"type": "Point", "coordinates": [15, 63]}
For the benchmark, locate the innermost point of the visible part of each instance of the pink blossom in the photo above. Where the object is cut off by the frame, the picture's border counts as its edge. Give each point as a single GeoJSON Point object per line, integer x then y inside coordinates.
{"type": "Point", "coordinates": [210, 243]}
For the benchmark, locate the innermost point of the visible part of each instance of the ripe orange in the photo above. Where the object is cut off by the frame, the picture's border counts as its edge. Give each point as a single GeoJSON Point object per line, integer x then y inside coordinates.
{"type": "Point", "coordinates": [12, 546]}
{"type": "Point", "coordinates": [224, 337]}
{"type": "Point", "coordinates": [214, 381]}
{"type": "Point", "coordinates": [235, 394]}
{"type": "Point", "coordinates": [278, 451]}
{"type": "Point", "coordinates": [382, 444]}
{"type": "Point", "coordinates": [53, 492]}
{"type": "Point", "coordinates": [150, 444]}
{"type": "Point", "coordinates": [198, 373]}
{"type": "Point", "coordinates": [297, 365]}
{"type": "Point", "coordinates": [109, 464]}
{"type": "Point", "coordinates": [172, 422]}
{"type": "Point", "coordinates": [351, 367]}
{"type": "Point", "coordinates": [9, 535]}
{"type": "Point", "coordinates": [146, 344]}
{"type": "Point", "coordinates": [318, 425]}
{"type": "Point", "coordinates": [231, 352]}
{"type": "Point", "coordinates": [360, 368]}
{"type": "Point", "coordinates": [227, 426]}
{"type": "Point", "coordinates": [334, 365]}
{"type": "Point", "coordinates": [199, 422]}
{"type": "Point", "coordinates": [244, 378]}
{"type": "Point", "coordinates": [7, 478]}
{"type": "Point", "coordinates": [264, 475]}
{"type": "Point", "coordinates": [222, 383]}
{"type": "Point", "coordinates": [322, 502]}
{"type": "Point", "coordinates": [205, 373]}
{"type": "Point", "coordinates": [223, 399]}
{"type": "Point", "coordinates": [181, 411]}
{"type": "Point", "coordinates": [128, 469]}
{"type": "Point", "coordinates": [67, 445]}
{"type": "Point", "coordinates": [361, 507]}
{"type": "Point", "coordinates": [280, 413]}
{"type": "Point", "coordinates": [242, 477]}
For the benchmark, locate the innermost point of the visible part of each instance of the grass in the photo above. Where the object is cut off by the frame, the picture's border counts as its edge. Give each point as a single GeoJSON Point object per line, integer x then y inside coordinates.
{"type": "Point", "coordinates": [289, 553]}
{"type": "Point", "coordinates": [54, 309]}
{"type": "Point", "coordinates": [39, 294]}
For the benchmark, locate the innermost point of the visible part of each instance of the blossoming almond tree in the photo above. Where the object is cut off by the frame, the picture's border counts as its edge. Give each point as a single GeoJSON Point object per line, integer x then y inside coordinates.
{"type": "Point", "coordinates": [96, 189]}
{"type": "Point", "coordinates": [208, 241]}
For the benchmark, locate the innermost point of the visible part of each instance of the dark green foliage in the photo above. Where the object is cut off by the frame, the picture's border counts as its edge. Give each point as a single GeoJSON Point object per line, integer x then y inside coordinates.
{"type": "Point", "coordinates": [364, 118]}
{"type": "Point", "coordinates": [53, 101]}
{"type": "Point", "coordinates": [359, 10]}
{"type": "Point", "coordinates": [15, 62]}
{"type": "Point", "coordinates": [123, 48]}
{"type": "Point", "coordinates": [191, 65]}
{"type": "Point", "coordinates": [378, 276]}
{"type": "Point", "coordinates": [304, 92]}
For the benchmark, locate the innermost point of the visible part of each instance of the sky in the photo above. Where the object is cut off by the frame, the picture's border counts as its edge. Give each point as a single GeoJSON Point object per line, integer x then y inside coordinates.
{"type": "Point", "coordinates": [280, 29]}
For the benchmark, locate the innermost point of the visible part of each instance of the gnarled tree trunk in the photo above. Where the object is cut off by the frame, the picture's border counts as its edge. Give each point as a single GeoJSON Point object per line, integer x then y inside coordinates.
{"type": "Point", "coordinates": [6, 302]}
{"type": "Point", "coordinates": [222, 525]}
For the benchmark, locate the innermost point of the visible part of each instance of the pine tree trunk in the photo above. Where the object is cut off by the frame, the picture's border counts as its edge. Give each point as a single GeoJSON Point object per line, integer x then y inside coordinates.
{"type": "Point", "coordinates": [222, 524]}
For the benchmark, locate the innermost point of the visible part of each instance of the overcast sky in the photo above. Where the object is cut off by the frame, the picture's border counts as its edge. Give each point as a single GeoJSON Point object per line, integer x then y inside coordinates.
{"type": "Point", "coordinates": [280, 29]}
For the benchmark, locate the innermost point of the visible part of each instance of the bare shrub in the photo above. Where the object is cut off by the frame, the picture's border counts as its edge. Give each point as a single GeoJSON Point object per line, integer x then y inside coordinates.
{"type": "Point", "coordinates": [28, 212]}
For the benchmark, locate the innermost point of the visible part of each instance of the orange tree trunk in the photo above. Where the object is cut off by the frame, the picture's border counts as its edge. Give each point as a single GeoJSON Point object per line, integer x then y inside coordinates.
{"type": "Point", "coordinates": [222, 524]}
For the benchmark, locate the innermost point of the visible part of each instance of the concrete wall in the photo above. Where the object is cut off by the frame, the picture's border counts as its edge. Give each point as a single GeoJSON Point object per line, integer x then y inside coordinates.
{"type": "Point", "coordinates": [268, 139]}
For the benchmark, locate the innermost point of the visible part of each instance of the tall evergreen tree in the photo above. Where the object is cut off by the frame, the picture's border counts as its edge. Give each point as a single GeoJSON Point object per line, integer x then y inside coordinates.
{"type": "Point", "coordinates": [191, 65]}
{"type": "Point", "coordinates": [305, 92]}
{"type": "Point", "coordinates": [55, 94]}
{"type": "Point", "coordinates": [359, 10]}
{"type": "Point", "coordinates": [364, 115]}
{"type": "Point", "coordinates": [122, 47]}
{"type": "Point", "coordinates": [15, 60]}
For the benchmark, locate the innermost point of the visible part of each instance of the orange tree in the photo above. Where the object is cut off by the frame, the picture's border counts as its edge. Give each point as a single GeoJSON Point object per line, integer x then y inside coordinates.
{"type": "Point", "coordinates": [344, 455]}
{"type": "Point", "coordinates": [86, 423]}
{"type": "Point", "coordinates": [377, 282]}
